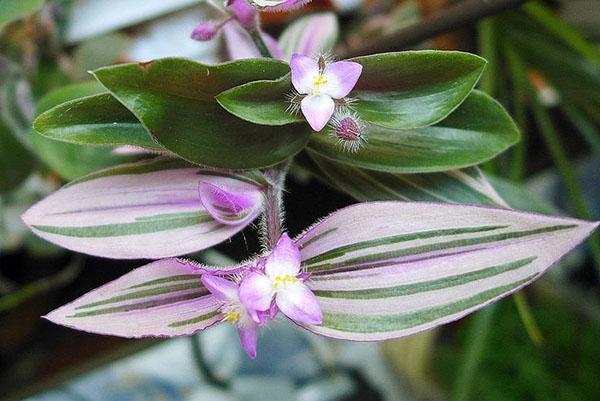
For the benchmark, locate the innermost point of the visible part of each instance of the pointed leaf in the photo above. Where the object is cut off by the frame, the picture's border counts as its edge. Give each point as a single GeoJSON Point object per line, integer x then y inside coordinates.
{"type": "Point", "coordinates": [384, 270]}
{"type": "Point", "coordinates": [151, 209]}
{"type": "Point", "coordinates": [455, 186]}
{"type": "Point", "coordinates": [161, 299]}
{"type": "Point", "coordinates": [70, 160]}
{"type": "Point", "coordinates": [94, 120]}
{"type": "Point", "coordinates": [174, 99]}
{"type": "Point", "coordinates": [396, 90]}
{"type": "Point", "coordinates": [477, 131]}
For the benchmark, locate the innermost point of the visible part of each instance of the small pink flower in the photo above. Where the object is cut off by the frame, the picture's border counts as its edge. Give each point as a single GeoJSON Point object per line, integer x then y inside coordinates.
{"type": "Point", "coordinates": [322, 83]}
{"type": "Point", "coordinates": [283, 282]}
{"type": "Point", "coordinates": [233, 310]}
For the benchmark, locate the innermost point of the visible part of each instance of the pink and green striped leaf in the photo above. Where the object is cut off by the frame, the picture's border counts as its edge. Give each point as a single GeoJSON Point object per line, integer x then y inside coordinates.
{"type": "Point", "coordinates": [389, 269]}
{"type": "Point", "coordinates": [151, 209]}
{"type": "Point", "coordinates": [161, 299]}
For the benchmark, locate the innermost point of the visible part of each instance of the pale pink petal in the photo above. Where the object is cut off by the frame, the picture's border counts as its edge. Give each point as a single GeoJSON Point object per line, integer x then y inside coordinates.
{"type": "Point", "coordinates": [341, 78]}
{"type": "Point", "coordinates": [273, 45]}
{"type": "Point", "coordinates": [284, 259]}
{"type": "Point", "coordinates": [298, 303]}
{"type": "Point", "coordinates": [256, 293]}
{"type": "Point", "coordinates": [305, 71]}
{"type": "Point", "coordinates": [222, 289]}
{"type": "Point", "coordinates": [317, 110]}
{"type": "Point", "coordinates": [248, 332]}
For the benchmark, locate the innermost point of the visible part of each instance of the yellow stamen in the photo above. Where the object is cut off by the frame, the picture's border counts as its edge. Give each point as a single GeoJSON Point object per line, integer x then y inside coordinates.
{"type": "Point", "coordinates": [319, 81]}
{"type": "Point", "coordinates": [283, 281]}
{"type": "Point", "coordinates": [232, 316]}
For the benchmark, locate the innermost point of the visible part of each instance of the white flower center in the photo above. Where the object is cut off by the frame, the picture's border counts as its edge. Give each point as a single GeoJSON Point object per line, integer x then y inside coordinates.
{"type": "Point", "coordinates": [318, 83]}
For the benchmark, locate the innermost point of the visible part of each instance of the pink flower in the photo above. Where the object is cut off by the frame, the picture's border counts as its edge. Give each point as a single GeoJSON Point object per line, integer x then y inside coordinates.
{"type": "Point", "coordinates": [233, 310]}
{"type": "Point", "coordinates": [281, 281]}
{"type": "Point", "coordinates": [322, 82]}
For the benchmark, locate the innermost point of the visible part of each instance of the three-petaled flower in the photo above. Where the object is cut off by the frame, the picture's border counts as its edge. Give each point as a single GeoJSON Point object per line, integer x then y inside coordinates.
{"type": "Point", "coordinates": [277, 283]}
{"type": "Point", "coordinates": [273, 283]}
{"type": "Point", "coordinates": [322, 83]}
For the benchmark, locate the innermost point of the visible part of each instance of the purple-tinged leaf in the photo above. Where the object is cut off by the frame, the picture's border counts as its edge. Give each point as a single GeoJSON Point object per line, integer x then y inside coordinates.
{"type": "Point", "coordinates": [162, 299]}
{"type": "Point", "coordinates": [151, 209]}
{"type": "Point", "coordinates": [240, 46]}
{"type": "Point", "coordinates": [383, 270]}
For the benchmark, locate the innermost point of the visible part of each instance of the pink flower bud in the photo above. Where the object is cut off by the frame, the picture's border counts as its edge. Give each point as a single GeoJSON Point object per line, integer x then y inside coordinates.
{"type": "Point", "coordinates": [206, 31]}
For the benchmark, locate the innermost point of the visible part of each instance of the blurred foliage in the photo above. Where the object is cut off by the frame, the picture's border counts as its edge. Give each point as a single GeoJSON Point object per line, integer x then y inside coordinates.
{"type": "Point", "coordinates": [512, 368]}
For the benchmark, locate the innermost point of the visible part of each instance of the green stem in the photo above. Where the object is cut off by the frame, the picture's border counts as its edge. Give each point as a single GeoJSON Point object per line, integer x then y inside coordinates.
{"type": "Point", "coordinates": [260, 43]}
{"type": "Point", "coordinates": [527, 318]}
{"type": "Point", "coordinates": [562, 30]}
{"type": "Point", "coordinates": [477, 340]}
{"type": "Point", "coordinates": [272, 221]}
{"type": "Point", "coordinates": [203, 368]}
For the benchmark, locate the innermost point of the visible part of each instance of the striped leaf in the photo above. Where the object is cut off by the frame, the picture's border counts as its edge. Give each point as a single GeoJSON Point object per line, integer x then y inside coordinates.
{"type": "Point", "coordinates": [455, 186]}
{"type": "Point", "coordinates": [388, 269]}
{"type": "Point", "coordinates": [151, 209]}
{"type": "Point", "coordinates": [162, 299]}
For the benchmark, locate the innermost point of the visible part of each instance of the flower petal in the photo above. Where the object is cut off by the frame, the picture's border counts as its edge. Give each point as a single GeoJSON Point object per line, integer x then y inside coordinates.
{"type": "Point", "coordinates": [304, 72]}
{"type": "Point", "coordinates": [256, 293]}
{"type": "Point", "coordinates": [222, 289]}
{"type": "Point", "coordinates": [341, 78]}
{"type": "Point", "coordinates": [299, 304]}
{"type": "Point", "coordinates": [228, 206]}
{"type": "Point", "coordinates": [317, 109]}
{"type": "Point", "coordinates": [249, 337]}
{"type": "Point", "coordinates": [244, 12]}
{"type": "Point", "coordinates": [284, 259]}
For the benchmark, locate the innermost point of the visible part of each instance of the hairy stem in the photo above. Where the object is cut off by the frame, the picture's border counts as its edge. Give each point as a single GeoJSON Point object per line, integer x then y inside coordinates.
{"type": "Point", "coordinates": [272, 221]}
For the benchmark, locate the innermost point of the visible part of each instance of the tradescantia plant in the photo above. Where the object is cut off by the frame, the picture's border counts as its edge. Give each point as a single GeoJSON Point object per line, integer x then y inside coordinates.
{"type": "Point", "coordinates": [385, 128]}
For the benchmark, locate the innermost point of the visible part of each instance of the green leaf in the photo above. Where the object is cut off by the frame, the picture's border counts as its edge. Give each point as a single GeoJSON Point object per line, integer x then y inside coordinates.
{"type": "Point", "coordinates": [12, 10]}
{"type": "Point", "coordinates": [416, 88]}
{"type": "Point", "coordinates": [175, 100]}
{"type": "Point", "coordinates": [402, 90]}
{"type": "Point", "coordinates": [15, 161]}
{"type": "Point", "coordinates": [467, 186]}
{"type": "Point", "coordinates": [94, 120]}
{"type": "Point", "coordinates": [70, 160]}
{"type": "Point", "coordinates": [477, 131]}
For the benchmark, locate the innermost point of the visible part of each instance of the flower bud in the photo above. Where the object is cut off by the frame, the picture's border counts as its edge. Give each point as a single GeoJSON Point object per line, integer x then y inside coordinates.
{"type": "Point", "coordinates": [349, 130]}
{"type": "Point", "coordinates": [206, 31]}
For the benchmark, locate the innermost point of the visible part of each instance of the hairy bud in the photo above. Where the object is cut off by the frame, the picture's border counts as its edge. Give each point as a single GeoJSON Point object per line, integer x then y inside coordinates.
{"type": "Point", "coordinates": [349, 130]}
{"type": "Point", "coordinates": [206, 31]}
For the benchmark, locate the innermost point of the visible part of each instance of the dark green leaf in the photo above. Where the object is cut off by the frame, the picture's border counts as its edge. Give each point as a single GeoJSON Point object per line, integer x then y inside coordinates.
{"type": "Point", "coordinates": [477, 131]}
{"type": "Point", "coordinates": [70, 160]}
{"type": "Point", "coordinates": [175, 100]}
{"type": "Point", "coordinates": [396, 90]}
{"type": "Point", "coordinates": [94, 120]}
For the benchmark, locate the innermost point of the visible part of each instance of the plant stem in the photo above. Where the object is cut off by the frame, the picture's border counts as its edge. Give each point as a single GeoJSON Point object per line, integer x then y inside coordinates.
{"type": "Point", "coordinates": [203, 368]}
{"type": "Point", "coordinates": [457, 16]}
{"type": "Point", "coordinates": [260, 43]}
{"type": "Point", "coordinates": [527, 318]}
{"type": "Point", "coordinates": [477, 339]}
{"type": "Point", "coordinates": [272, 223]}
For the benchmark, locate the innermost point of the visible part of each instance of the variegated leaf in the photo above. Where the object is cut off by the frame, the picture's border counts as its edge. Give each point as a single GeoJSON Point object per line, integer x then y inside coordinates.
{"type": "Point", "coordinates": [150, 209]}
{"type": "Point", "coordinates": [388, 269]}
{"type": "Point", "coordinates": [162, 299]}
{"type": "Point", "coordinates": [468, 185]}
